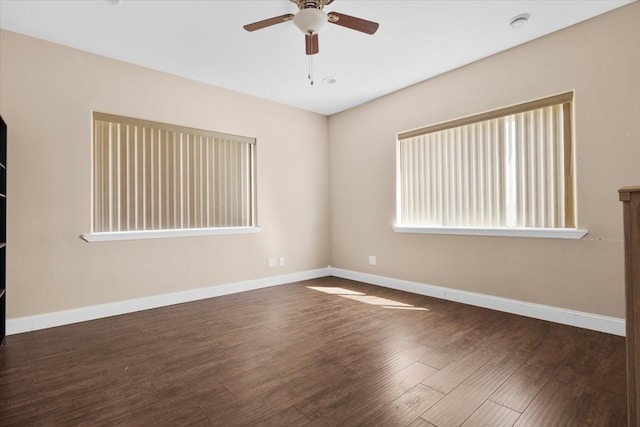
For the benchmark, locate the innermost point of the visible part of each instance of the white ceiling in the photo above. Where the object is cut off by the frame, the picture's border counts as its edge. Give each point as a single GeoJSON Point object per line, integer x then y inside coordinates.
{"type": "Point", "coordinates": [204, 40]}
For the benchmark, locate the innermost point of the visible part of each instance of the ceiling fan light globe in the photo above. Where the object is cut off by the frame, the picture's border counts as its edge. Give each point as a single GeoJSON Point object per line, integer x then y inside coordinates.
{"type": "Point", "coordinates": [310, 20]}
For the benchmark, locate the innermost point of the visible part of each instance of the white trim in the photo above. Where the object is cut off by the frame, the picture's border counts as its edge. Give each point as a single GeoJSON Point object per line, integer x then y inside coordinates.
{"type": "Point", "coordinates": [545, 233]}
{"type": "Point", "coordinates": [59, 318]}
{"type": "Point", "coordinates": [154, 234]}
{"type": "Point", "coordinates": [596, 322]}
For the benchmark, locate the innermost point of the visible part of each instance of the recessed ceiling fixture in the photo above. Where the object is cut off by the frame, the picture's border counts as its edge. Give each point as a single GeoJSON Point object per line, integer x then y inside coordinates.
{"type": "Point", "coordinates": [519, 21]}
{"type": "Point", "coordinates": [112, 2]}
{"type": "Point", "coordinates": [329, 80]}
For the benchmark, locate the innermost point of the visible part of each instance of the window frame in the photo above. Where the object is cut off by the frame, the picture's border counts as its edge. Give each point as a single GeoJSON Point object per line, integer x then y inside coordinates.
{"type": "Point", "coordinates": [101, 236]}
{"type": "Point", "coordinates": [570, 231]}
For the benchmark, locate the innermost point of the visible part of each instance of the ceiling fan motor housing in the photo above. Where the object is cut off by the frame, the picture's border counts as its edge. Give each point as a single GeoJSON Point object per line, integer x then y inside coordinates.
{"type": "Point", "coordinates": [311, 4]}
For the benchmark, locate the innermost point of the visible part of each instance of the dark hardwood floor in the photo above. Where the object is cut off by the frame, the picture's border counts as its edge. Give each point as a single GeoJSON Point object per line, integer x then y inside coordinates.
{"type": "Point", "coordinates": [295, 356]}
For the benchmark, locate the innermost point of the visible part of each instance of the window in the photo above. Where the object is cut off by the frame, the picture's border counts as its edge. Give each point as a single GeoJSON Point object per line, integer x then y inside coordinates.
{"type": "Point", "coordinates": [508, 169]}
{"type": "Point", "coordinates": [150, 177]}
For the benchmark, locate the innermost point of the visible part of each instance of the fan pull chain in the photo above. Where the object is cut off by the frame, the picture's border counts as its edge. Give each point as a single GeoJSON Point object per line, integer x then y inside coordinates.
{"type": "Point", "coordinates": [310, 76]}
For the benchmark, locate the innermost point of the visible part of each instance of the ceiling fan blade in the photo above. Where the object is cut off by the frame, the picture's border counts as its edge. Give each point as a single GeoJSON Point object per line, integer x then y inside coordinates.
{"type": "Point", "coordinates": [312, 45]}
{"type": "Point", "coordinates": [354, 23]}
{"type": "Point", "coordinates": [268, 22]}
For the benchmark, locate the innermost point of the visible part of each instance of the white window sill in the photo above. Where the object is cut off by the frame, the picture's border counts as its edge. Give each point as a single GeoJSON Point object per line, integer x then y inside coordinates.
{"type": "Point", "coordinates": [155, 234]}
{"type": "Point", "coordinates": [544, 233]}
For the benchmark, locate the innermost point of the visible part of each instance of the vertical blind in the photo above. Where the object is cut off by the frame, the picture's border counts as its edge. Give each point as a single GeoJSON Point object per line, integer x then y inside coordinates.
{"type": "Point", "coordinates": [155, 176]}
{"type": "Point", "coordinates": [508, 168]}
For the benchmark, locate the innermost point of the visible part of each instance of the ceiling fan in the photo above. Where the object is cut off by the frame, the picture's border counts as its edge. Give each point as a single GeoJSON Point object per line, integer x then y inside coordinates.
{"type": "Point", "coordinates": [310, 18]}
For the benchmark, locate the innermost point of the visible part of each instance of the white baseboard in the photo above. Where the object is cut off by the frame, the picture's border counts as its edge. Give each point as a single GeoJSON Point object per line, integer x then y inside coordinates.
{"type": "Point", "coordinates": [49, 320]}
{"type": "Point", "coordinates": [610, 325]}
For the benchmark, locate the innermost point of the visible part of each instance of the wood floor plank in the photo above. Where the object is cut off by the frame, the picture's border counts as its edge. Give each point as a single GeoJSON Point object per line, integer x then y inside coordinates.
{"type": "Point", "coordinates": [554, 404]}
{"type": "Point", "coordinates": [370, 355]}
{"type": "Point", "coordinates": [450, 377]}
{"type": "Point", "coordinates": [492, 415]}
{"type": "Point", "coordinates": [406, 408]}
{"type": "Point", "coordinates": [291, 416]}
{"type": "Point", "coordinates": [607, 375]}
{"type": "Point", "coordinates": [455, 350]}
{"type": "Point", "coordinates": [347, 404]}
{"type": "Point", "coordinates": [522, 387]}
{"type": "Point", "coordinates": [588, 411]}
{"type": "Point", "coordinates": [459, 404]}
{"type": "Point", "coordinates": [292, 355]}
{"type": "Point", "coordinates": [421, 422]}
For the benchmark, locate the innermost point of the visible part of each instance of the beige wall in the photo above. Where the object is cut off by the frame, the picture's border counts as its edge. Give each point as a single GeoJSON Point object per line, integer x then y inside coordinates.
{"type": "Point", "coordinates": [600, 60]}
{"type": "Point", "coordinates": [326, 188]}
{"type": "Point", "coordinates": [47, 93]}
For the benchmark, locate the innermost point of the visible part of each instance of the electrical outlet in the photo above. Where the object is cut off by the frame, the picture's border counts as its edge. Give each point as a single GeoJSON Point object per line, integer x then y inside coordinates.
{"type": "Point", "coordinates": [372, 260]}
{"type": "Point", "coordinates": [281, 261]}
{"type": "Point", "coordinates": [272, 262]}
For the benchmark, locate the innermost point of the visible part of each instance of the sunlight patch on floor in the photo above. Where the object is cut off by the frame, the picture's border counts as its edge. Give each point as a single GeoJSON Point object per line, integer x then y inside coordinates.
{"type": "Point", "coordinates": [334, 291]}
{"type": "Point", "coordinates": [368, 299]}
{"type": "Point", "coordinates": [411, 307]}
